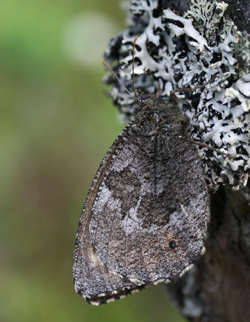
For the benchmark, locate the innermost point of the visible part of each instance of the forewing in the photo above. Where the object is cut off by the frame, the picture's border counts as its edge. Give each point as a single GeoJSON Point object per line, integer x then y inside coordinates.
{"type": "Point", "coordinates": [92, 278]}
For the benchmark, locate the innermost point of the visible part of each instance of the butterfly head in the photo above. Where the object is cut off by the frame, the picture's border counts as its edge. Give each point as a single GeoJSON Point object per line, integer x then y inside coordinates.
{"type": "Point", "coordinates": [143, 96]}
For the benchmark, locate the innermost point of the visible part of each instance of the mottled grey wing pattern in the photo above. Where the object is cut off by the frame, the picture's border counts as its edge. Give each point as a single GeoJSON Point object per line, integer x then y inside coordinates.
{"type": "Point", "coordinates": [145, 216]}
{"type": "Point", "coordinates": [92, 279]}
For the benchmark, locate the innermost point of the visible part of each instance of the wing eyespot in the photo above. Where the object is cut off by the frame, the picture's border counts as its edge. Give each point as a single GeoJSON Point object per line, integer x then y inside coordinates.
{"type": "Point", "coordinates": [172, 244]}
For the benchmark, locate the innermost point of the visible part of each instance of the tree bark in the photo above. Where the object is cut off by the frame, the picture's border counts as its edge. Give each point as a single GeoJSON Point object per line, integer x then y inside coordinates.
{"type": "Point", "coordinates": [218, 288]}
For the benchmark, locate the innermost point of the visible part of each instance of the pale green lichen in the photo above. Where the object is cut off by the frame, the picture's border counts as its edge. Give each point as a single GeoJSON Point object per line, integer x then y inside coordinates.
{"type": "Point", "coordinates": [210, 20]}
{"type": "Point", "coordinates": [207, 16]}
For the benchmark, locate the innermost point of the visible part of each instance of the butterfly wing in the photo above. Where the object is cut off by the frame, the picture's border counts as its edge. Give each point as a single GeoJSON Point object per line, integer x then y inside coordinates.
{"type": "Point", "coordinates": [145, 216]}
{"type": "Point", "coordinates": [92, 279]}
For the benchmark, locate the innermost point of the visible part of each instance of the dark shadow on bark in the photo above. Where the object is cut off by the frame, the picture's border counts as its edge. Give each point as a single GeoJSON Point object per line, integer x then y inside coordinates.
{"type": "Point", "coordinates": [217, 289]}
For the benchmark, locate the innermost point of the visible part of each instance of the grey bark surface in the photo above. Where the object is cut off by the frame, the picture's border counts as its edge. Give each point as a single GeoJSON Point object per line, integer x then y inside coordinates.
{"type": "Point", "coordinates": [218, 288]}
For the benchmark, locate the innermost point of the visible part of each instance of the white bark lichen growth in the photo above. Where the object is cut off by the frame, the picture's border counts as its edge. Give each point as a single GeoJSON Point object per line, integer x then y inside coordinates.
{"type": "Point", "coordinates": [179, 52]}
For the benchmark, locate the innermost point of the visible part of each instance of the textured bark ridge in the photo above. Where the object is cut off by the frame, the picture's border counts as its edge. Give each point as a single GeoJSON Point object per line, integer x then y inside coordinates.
{"type": "Point", "coordinates": [218, 288]}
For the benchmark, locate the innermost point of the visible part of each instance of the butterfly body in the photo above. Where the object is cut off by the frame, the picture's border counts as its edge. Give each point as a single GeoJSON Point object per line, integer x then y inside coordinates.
{"type": "Point", "coordinates": [145, 217]}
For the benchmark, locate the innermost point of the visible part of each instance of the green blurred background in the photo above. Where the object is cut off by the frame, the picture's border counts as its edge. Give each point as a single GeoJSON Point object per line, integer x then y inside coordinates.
{"type": "Point", "coordinates": [56, 125]}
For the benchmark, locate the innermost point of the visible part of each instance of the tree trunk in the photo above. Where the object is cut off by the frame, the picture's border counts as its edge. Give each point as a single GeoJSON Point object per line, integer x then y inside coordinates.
{"type": "Point", "coordinates": [217, 289]}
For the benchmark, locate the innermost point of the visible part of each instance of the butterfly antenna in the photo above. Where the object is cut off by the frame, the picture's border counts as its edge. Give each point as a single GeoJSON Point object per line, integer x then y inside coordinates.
{"type": "Point", "coordinates": [109, 68]}
{"type": "Point", "coordinates": [193, 88]}
{"type": "Point", "coordinates": [159, 89]}
{"type": "Point", "coordinates": [133, 68]}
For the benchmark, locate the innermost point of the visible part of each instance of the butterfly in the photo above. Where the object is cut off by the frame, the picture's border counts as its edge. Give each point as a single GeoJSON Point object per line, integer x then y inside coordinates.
{"type": "Point", "coordinates": [145, 217]}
